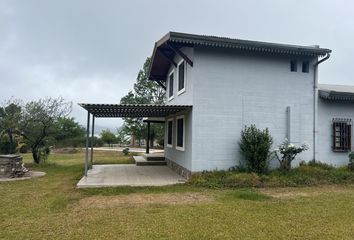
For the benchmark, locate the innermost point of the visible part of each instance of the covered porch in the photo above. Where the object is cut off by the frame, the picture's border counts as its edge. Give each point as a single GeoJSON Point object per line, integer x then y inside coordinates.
{"type": "Point", "coordinates": [148, 171]}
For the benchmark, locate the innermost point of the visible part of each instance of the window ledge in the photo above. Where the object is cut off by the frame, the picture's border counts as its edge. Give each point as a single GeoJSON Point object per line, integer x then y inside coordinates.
{"type": "Point", "coordinates": [180, 148]}
{"type": "Point", "coordinates": [183, 90]}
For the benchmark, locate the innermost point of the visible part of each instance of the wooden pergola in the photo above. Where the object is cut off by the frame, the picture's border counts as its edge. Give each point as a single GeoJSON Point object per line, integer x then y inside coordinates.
{"type": "Point", "coordinates": [125, 111]}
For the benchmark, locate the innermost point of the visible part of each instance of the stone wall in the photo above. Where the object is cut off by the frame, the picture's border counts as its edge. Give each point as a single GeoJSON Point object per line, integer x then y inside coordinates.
{"type": "Point", "coordinates": [9, 165]}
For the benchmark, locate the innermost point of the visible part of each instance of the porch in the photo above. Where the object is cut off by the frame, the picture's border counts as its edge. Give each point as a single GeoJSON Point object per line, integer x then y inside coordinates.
{"type": "Point", "coordinates": [114, 175]}
{"type": "Point", "coordinates": [149, 170]}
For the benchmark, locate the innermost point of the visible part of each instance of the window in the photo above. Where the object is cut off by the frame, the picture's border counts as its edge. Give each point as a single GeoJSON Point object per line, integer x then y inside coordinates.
{"type": "Point", "coordinates": [305, 66]}
{"type": "Point", "coordinates": [180, 133]}
{"type": "Point", "coordinates": [170, 86]}
{"type": "Point", "coordinates": [342, 135]}
{"type": "Point", "coordinates": [293, 66]}
{"type": "Point", "coordinates": [169, 132]}
{"type": "Point", "coordinates": [181, 77]}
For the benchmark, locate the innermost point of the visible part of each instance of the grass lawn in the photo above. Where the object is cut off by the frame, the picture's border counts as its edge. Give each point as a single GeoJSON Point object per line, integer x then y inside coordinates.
{"type": "Point", "coordinates": [51, 207]}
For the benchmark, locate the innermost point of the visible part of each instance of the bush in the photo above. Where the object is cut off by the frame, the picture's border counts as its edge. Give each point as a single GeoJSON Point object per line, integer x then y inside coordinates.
{"type": "Point", "coordinates": [351, 161]}
{"type": "Point", "coordinates": [23, 148]}
{"type": "Point", "coordinates": [255, 146]}
{"type": "Point", "coordinates": [305, 175]}
{"type": "Point", "coordinates": [288, 152]}
{"type": "Point", "coordinates": [126, 151]}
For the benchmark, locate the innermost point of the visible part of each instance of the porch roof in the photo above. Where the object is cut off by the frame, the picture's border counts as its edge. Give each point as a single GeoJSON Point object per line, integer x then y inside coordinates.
{"type": "Point", "coordinates": [132, 110]}
{"type": "Point", "coordinates": [336, 92]}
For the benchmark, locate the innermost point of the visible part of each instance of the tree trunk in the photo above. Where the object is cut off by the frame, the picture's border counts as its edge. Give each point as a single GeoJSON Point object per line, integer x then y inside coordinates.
{"type": "Point", "coordinates": [36, 156]}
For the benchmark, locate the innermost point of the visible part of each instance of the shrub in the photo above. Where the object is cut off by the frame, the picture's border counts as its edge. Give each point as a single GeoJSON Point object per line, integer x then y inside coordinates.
{"type": "Point", "coordinates": [23, 148]}
{"type": "Point", "coordinates": [254, 146]}
{"type": "Point", "coordinates": [126, 151]}
{"type": "Point", "coordinates": [304, 175]}
{"type": "Point", "coordinates": [351, 161]}
{"type": "Point", "coordinates": [288, 152]}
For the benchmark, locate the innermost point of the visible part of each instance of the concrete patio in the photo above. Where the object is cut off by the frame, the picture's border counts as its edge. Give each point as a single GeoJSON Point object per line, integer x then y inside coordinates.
{"type": "Point", "coordinates": [112, 175]}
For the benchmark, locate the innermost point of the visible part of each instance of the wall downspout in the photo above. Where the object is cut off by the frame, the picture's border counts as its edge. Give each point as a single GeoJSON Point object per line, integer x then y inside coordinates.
{"type": "Point", "coordinates": [315, 104]}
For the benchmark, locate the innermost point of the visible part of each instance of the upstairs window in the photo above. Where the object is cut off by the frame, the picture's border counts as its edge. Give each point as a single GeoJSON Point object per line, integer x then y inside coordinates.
{"type": "Point", "coordinates": [342, 135]}
{"type": "Point", "coordinates": [180, 133]}
{"type": "Point", "coordinates": [293, 65]}
{"type": "Point", "coordinates": [181, 77]}
{"type": "Point", "coordinates": [170, 86]}
{"type": "Point", "coordinates": [169, 132]}
{"type": "Point", "coordinates": [305, 66]}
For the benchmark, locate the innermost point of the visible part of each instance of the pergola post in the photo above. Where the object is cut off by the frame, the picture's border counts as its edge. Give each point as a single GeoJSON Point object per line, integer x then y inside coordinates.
{"type": "Point", "coordinates": [87, 142]}
{"type": "Point", "coordinates": [92, 138]}
{"type": "Point", "coordinates": [148, 138]}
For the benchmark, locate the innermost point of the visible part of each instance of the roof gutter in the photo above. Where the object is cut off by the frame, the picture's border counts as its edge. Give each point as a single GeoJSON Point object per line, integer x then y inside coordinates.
{"type": "Point", "coordinates": [315, 103]}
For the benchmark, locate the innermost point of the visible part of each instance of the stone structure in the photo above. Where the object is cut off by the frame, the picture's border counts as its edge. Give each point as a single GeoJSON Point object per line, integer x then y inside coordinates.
{"type": "Point", "coordinates": [10, 165]}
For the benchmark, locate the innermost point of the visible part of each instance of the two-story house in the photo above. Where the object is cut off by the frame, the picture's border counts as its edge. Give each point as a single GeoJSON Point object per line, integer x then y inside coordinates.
{"type": "Point", "coordinates": [216, 86]}
{"type": "Point", "coordinates": [232, 83]}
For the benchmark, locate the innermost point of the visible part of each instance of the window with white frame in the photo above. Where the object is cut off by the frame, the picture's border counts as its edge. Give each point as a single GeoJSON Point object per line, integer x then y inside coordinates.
{"type": "Point", "coordinates": [170, 85]}
{"type": "Point", "coordinates": [181, 77]}
{"type": "Point", "coordinates": [180, 132]}
{"type": "Point", "coordinates": [169, 132]}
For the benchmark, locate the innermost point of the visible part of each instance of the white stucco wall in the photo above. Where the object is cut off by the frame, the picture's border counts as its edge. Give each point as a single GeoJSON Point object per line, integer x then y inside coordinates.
{"type": "Point", "coordinates": [327, 110]}
{"type": "Point", "coordinates": [183, 158]}
{"type": "Point", "coordinates": [231, 90]}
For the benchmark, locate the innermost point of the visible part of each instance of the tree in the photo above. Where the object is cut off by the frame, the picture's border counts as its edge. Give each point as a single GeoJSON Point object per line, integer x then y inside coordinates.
{"type": "Point", "coordinates": [10, 117]}
{"type": "Point", "coordinates": [68, 132]}
{"type": "Point", "coordinates": [121, 137]}
{"type": "Point", "coordinates": [145, 92]}
{"type": "Point", "coordinates": [38, 124]}
{"type": "Point", "coordinates": [108, 137]}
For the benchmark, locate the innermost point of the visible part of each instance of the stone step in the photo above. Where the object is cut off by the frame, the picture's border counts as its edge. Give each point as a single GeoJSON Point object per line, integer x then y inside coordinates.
{"type": "Point", "coordinates": [141, 161]}
{"type": "Point", "coordinates": [154, 157]}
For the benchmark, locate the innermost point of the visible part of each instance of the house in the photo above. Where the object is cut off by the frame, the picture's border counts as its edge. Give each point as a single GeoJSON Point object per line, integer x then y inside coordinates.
{"type": "Point", "coordinates": [216, 86]}
{"type": "Point", "coordinates": [233, 83]}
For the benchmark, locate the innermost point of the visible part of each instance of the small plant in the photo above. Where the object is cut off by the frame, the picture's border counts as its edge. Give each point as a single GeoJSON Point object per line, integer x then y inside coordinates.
{"type": "Point", "coordinates": [288, 152]}
{"type": "Point", "coordinates": [255, 147]}
{"type": "Point", "coordinates": [351, 161]}
{"type": "Point", "coordinates": [126, 151]}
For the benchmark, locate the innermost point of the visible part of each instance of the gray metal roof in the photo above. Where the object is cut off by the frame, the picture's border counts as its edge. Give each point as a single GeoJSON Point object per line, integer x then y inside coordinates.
{"type": "Point", "coordinates": [336, 92]}
{"type": "Point", "coordinates": [224, 42]}
{"type": "Point", "coordinates": [132, 110]}
{"type": "Point", "coordinates": [163, 51]}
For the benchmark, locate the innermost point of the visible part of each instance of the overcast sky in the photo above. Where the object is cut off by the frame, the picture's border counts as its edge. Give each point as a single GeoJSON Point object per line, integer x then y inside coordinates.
{"type": "Point", "coordinates": [91, 51]}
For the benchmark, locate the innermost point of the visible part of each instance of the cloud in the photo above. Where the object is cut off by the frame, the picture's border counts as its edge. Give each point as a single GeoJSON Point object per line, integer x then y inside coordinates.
{"type": "Point", "coordinates": [91, 51]}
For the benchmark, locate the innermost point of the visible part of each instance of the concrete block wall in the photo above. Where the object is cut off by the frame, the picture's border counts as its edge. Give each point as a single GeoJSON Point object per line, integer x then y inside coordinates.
{"type": "Point", "coordinates": [232, 90]}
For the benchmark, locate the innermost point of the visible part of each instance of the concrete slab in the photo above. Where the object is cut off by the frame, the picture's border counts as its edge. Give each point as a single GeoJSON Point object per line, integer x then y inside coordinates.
{"type": "Point", "coordinates": [113, 175]}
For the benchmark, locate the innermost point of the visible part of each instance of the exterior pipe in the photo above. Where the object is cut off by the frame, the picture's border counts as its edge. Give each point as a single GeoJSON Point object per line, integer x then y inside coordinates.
{"type": "Point", "coordinates": [315, 99]}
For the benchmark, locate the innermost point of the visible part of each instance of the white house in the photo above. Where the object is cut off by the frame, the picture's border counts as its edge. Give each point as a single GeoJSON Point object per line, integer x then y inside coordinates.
{"type": "Point", "coordinates": [215, 86]}
{"type": "Point", "coordinates": [232, 83]}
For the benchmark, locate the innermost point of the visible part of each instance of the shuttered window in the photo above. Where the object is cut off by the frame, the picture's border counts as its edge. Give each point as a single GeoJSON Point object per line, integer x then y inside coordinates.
{"type": "Point", "coordinates": [342, 135]}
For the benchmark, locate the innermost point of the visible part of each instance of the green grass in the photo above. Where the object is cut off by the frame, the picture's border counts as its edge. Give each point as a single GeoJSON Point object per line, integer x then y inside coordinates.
{"type": "Point", "coordinates": [51, 207]}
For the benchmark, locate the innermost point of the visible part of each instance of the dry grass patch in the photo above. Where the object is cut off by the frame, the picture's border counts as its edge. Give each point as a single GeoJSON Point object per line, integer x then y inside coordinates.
{"type": "Point", "coordinates": [138, 199]}
{"type": "Point", "coordinates": [292, 192]}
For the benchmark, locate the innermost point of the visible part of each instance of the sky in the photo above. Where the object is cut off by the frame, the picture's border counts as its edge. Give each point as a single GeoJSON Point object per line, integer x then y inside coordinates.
{"type": "Point", "coordinates": [91, 51]}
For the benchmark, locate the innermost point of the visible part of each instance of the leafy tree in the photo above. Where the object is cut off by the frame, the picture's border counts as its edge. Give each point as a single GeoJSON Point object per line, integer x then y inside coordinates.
{"type": "Point", "coordinates": [10, 117]}
{"type": "Point", "coordinates": [121, 136]}
{"type": "Point", "coordinates": [145, 92]}
{"type": "Point", "coordinates": [38, 124]}
{"type": "Point", "coordinates": [108, 137]}
{"type": "Point", "coordinates": [68, 132]}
